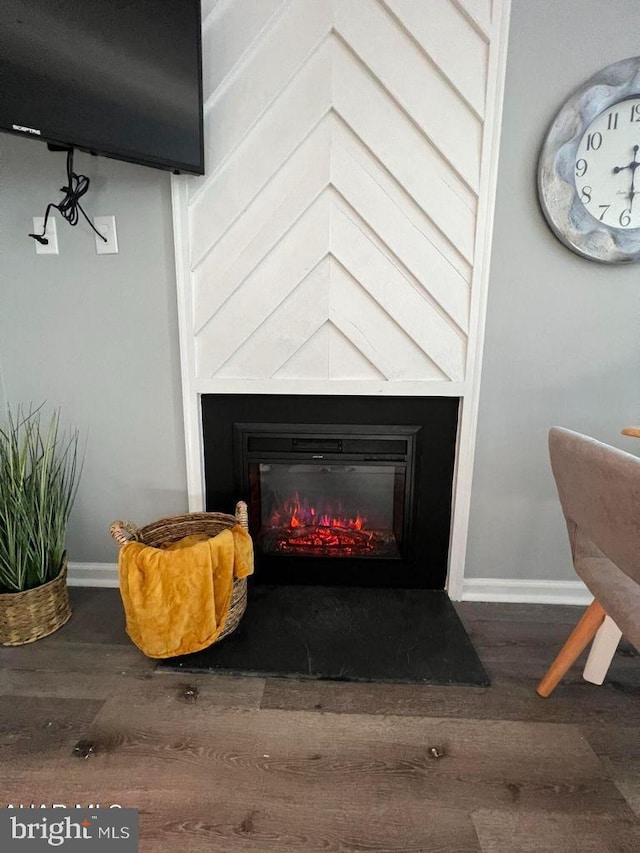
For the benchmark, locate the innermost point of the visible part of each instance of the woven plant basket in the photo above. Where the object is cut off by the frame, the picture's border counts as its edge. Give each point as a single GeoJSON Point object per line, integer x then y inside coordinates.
{"type": "Point", "coordinates": [169, 530]}
{"type": "Point", "coordinates": [35, 613]}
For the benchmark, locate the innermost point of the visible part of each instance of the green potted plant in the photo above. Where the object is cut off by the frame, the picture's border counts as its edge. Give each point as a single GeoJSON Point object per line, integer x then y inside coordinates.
{"type": "Point", "coordinates": [39, 472]}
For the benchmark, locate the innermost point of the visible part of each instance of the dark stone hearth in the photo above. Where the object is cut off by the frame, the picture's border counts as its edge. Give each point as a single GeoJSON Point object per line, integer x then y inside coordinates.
{"type": "Point", "coordinates": [347, 634]}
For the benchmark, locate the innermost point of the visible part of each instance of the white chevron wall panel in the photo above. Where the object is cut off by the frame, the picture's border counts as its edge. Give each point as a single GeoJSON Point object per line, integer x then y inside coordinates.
{"type": "Point", "coordinates": [338, 215]}
{"type": "Point", "coordinates": [446, 33]}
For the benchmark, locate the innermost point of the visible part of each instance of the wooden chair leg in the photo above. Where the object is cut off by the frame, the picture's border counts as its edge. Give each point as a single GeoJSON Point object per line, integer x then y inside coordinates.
{"type": "Point", "coordinates": [580, 637]}
{"type": "Point", "coordinates": [602, 651]}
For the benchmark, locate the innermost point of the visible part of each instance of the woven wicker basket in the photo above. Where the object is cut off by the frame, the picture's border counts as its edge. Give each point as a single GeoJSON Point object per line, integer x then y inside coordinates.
{"type": "Point", "coordinates": [35, 613]}
{"type": "Point", "coordinates": [177, 527]}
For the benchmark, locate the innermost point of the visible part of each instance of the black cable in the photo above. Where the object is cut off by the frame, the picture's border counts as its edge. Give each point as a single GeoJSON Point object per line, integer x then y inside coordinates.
{"type": "Point", "coordinates": [77, 186]}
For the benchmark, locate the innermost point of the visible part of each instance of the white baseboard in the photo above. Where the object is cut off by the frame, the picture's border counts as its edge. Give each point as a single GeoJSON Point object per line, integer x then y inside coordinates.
{"type": "Point", "coordinates": [92, 574]}
{"type": "Point", "coordinates": [525, 591]}
{"type": "Point", "coordinates": [473, 589]}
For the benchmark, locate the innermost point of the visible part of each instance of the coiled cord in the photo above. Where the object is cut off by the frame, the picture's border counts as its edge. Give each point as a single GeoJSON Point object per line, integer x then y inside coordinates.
{"type": "Point", "coordinates": [77, 186]}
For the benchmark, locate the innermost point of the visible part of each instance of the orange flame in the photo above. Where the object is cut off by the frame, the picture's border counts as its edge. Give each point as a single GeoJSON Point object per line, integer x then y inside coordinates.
{"type": "Point", "coordinates": [295, 513]}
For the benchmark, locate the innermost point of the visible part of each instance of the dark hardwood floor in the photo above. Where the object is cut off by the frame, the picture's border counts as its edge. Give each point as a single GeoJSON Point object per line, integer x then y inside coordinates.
{"type": "Point", "coordinates": [283, 765]}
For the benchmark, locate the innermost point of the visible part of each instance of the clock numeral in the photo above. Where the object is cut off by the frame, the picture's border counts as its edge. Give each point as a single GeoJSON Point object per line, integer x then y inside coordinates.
{"type": "Point", "coordinates": [625, 218]}
{"type": "Point", "coordinates": [594, 141]}
{"type": "Point", "coordinates": [612, 121]}
{"type": "Point", "coordinates": [606, 207]}
{"type": "Point", "coordinates": [581, 167]}
{"type": "Point", "coordinates": [635, 112]}
{"type": "Point", "coordinates": [585, 194]}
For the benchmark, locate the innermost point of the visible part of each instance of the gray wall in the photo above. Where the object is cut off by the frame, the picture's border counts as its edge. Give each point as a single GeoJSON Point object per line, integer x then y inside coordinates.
{"type": "Point", "coordinates": [96, 335]}
{"type": "Point", "coordinates": [562, 341]}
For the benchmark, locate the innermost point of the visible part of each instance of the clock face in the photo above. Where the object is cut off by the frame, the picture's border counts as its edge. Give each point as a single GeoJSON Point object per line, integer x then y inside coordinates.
{"type": "Point", "coordinates": [607, 166]}
{"type": "Point", "coordinates": [589, 167]}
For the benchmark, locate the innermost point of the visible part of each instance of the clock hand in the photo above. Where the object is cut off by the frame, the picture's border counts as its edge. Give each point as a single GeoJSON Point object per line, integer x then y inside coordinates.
{"type": "Point", "coordinates": [633, 165]}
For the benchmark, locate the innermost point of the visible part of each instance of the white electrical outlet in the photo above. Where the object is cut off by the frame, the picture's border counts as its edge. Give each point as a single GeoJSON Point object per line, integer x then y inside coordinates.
{"type": "Point", "coordinates": [51, 234]}
{"type": "Point", "coordinates": [106, 225]}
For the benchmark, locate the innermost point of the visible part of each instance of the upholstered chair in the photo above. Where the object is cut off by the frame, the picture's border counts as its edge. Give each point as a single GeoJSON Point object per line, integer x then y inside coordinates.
{"type": "Point", "coordinates": [599, 491]}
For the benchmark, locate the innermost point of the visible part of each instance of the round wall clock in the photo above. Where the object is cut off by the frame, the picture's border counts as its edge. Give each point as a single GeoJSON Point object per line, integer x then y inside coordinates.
{"type": "Point", "coordinates": [589, 168]}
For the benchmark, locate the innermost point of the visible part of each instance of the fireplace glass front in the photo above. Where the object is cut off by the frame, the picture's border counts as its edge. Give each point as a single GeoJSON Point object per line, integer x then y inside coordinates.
{"type": "Point", "coordinates": [329, 509]}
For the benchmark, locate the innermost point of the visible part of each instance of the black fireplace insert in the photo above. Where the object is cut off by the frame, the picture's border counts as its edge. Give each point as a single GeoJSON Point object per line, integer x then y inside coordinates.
{"type": "Point", "coordinates": [355, 502]}
{"type": "Point", "coordinates": [336, 491]}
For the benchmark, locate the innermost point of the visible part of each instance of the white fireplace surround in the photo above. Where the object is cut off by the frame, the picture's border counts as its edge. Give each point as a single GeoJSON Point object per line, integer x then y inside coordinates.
{"type": "Point", "coordinates": [339, 242]}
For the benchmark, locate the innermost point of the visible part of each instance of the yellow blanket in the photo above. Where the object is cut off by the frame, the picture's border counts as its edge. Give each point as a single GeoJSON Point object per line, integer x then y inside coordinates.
{"type": "Point", "coordinates": [176, 599]}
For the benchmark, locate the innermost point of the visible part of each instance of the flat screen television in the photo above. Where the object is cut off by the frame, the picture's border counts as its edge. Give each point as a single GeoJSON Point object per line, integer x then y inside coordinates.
{"type": "Point", "coordinates": [121, 78]}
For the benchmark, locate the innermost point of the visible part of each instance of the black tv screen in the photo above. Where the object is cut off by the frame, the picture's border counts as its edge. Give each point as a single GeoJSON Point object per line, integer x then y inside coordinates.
{"type": "Point", "coordinates": [122, 78]}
